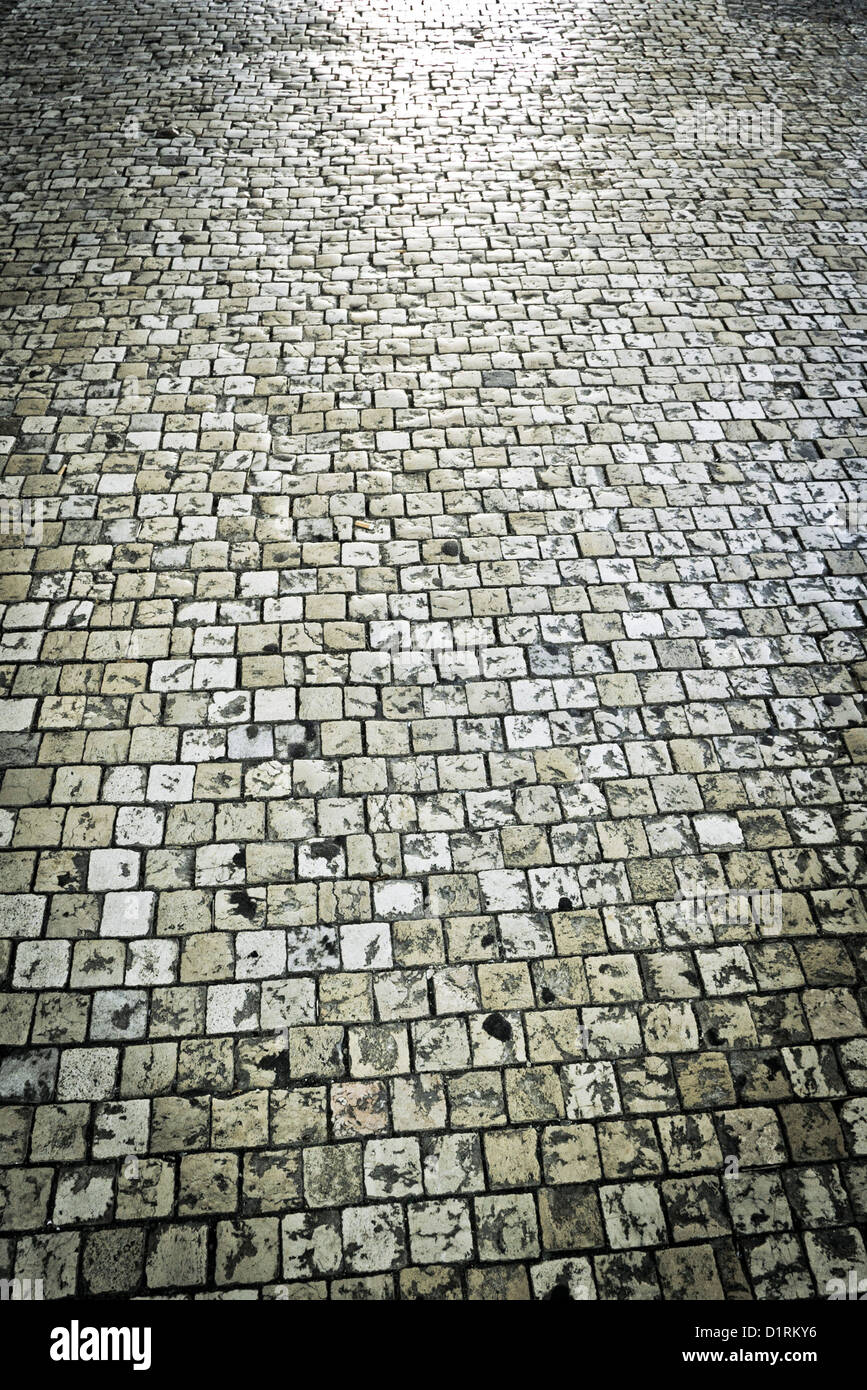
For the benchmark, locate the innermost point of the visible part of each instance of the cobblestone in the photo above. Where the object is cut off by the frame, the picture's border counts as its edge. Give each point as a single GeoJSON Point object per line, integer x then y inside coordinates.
{"type": "Point", "coordinates": [432, 601]}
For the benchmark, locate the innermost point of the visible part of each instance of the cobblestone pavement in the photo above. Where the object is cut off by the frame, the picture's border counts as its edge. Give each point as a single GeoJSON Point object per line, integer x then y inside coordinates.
{"type": "Point", "coordinates": [432, 633]}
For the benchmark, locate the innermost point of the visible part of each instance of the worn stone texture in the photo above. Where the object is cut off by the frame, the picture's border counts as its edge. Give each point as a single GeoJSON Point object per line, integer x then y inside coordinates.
{"type": "Point", "coordinates": [432, 472]}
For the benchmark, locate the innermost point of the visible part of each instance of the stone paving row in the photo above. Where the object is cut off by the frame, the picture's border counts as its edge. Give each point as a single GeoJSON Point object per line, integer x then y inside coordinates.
{"type": "Point", "coordinates": [432, 603]}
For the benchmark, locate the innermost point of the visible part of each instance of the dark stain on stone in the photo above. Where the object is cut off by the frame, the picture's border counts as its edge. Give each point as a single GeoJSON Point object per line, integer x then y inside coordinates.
{"type": "Point", "coordinates": [324, 849]}
{"type": "Point", "coordinates": [548, 995]}
{"type": "Point", "coordinates": [498, 1027]}
{"type": "Point", "coordinates": [234, 707]}
{"type": "Point", "coordinates": [564, 905]}
{"type": "Point", "coordinates": [279, 1060]}
{"type": "Point", "coordinates": [559, 1294]}
{"type": "Point", "coordinates": [122, 1017]}
{"type": "Point", "coordinates": [243, 904]}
